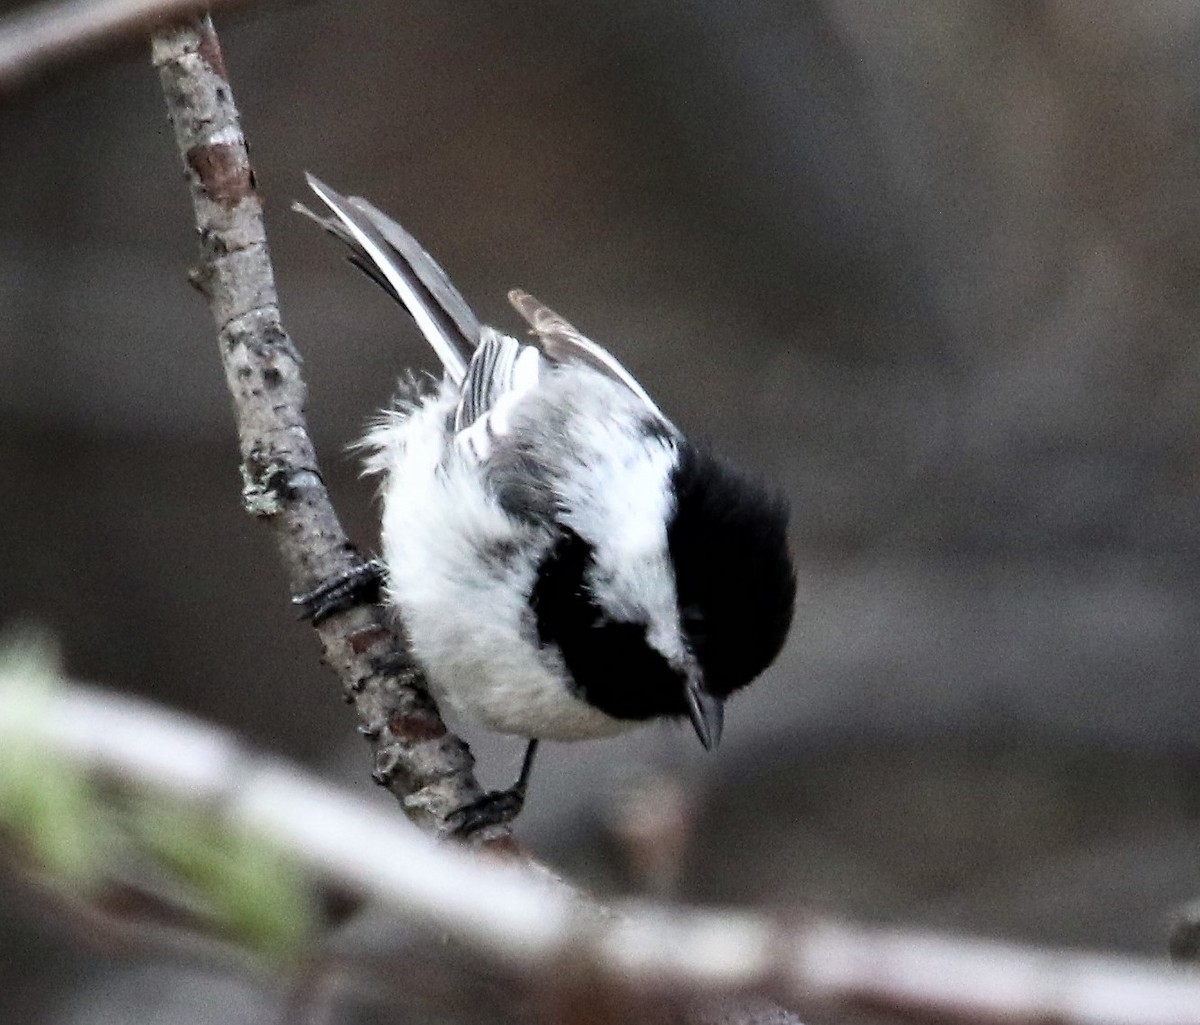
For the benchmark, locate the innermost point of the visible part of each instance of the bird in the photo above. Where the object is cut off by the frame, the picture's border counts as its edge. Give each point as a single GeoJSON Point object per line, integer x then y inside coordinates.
{"type": "Point", "coordinates": [565, 562]}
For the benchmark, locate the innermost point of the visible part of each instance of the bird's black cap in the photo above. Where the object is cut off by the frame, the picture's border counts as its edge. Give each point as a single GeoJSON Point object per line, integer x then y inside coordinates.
{"type": "Point", "coordinates": [733, 573]}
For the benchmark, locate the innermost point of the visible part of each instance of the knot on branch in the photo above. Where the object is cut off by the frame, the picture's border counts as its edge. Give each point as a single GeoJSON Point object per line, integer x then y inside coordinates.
{"type": "Point", "coordinates": [223, 169]}
{"type": "Point", "coordinates": [265, 489]}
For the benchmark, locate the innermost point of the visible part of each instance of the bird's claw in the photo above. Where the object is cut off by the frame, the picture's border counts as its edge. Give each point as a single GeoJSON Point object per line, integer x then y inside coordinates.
{"type": "Point", "coordinates": [360, 583]}
{"type": "Point", "coordinates": [495, 808]}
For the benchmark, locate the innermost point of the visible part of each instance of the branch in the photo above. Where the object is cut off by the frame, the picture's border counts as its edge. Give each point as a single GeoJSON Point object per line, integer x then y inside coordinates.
{"type": "Point", "coordinates": [428, 769]}
{"type": "Point", "coordinates": [540, 931]}
{"type": "Point", "coordinates": [38, 40]}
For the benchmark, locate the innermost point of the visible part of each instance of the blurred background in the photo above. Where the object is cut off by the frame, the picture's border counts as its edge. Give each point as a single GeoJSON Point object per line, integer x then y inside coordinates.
{"type": "Point", "coordinates": [930, 266]}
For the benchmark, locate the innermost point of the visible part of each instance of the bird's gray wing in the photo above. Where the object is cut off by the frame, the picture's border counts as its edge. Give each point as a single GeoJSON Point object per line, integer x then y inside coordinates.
{"type": "Point", "coordinates": [501, 372]}
{"type": "Point", "coordinates": [393, 258]}
{"type": "Point", "coordinates": [564, 343]}
{"type": "Point", "coordinates": [500, 366]}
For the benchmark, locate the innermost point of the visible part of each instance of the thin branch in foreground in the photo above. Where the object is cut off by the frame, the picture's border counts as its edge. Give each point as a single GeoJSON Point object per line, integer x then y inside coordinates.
{"type": "Point", "coordinates": [425, 766]}
{"type": "Point", "coordinates": [542, 932]}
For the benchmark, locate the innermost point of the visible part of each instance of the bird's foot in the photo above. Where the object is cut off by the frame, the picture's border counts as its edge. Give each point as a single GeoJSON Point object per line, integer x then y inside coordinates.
{"type": "Point", "coordinates": [359, 584]}
{"type": "Point", "coordinates": [495, 808]}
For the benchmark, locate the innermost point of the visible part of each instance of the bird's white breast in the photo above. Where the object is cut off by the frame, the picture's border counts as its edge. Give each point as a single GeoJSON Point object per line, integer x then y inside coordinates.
{"type": "Point", "coordinates": [460, 570]}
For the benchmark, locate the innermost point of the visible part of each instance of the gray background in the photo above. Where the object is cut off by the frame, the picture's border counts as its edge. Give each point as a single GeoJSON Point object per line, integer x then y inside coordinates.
{"type": "Point", "coordinates": [929, 265]}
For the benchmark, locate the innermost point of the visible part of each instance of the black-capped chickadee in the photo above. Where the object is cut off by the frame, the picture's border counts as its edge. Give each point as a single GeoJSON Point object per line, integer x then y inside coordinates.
{"type": "Point", "coordinates": [566, 564]}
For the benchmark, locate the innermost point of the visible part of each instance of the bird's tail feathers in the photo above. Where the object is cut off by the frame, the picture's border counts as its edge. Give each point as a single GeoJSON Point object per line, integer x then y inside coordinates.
{"type": "Point", "coordinates": [392, 258]}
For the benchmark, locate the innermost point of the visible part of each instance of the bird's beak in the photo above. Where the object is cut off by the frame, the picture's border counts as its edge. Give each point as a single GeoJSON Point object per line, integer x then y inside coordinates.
{"type": "Point", "coordinates": [707, 713]}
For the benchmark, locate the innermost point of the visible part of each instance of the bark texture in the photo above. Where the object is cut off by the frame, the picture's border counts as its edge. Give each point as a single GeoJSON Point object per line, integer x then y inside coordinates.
{"type": "Point", "coordinates": [427, 768]}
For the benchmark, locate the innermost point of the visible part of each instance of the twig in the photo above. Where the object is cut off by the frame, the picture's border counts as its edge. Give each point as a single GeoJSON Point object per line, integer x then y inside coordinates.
{"type": "Point", "coordinates": [38, 40]}
{"type": "Point", "coordinates": [540, 929]}
{"type": "Point", "coordinates": [427, 768]}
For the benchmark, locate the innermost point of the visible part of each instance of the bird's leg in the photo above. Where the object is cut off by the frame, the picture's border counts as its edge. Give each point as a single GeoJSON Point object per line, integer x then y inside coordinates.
{"type": "Point", "coordinates": [360, 583]}
{"type": "Point", "coordinates": [497, 806]}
